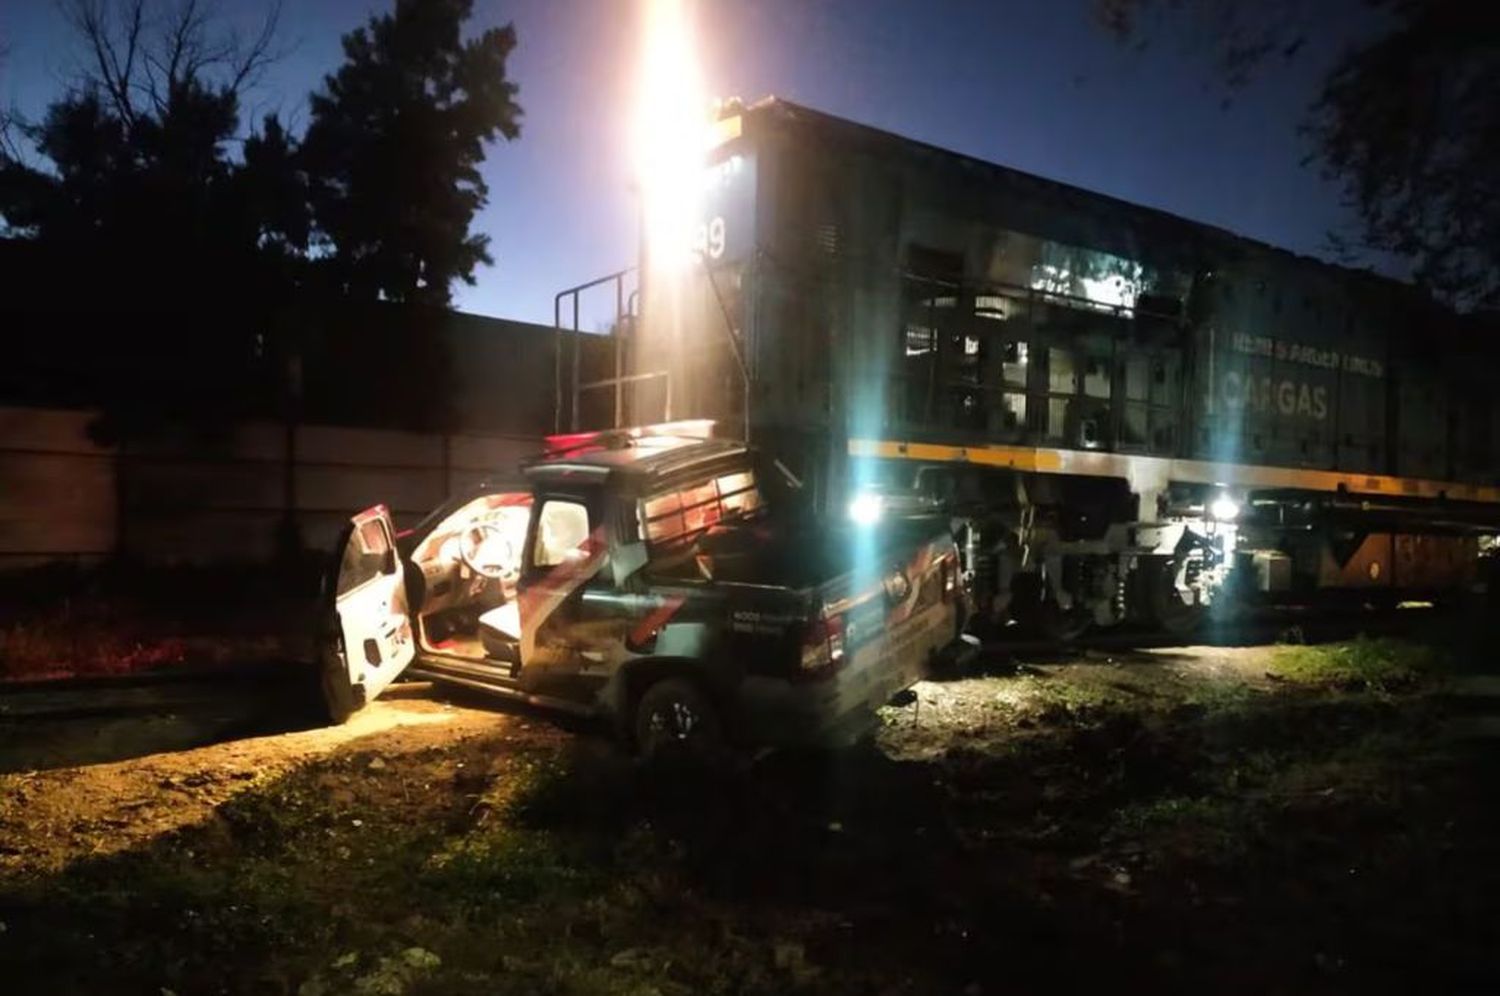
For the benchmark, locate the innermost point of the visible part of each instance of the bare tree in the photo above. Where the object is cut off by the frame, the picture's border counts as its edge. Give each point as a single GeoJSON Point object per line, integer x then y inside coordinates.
{"type": "Point", "coordinates": [139, 54]}
{"type": "Point", "coordinates": [1241, 37]}
{"type": "Point", "coordinates": [1406, 121]}
{"type": "Point", "coordinates": [10, 149]}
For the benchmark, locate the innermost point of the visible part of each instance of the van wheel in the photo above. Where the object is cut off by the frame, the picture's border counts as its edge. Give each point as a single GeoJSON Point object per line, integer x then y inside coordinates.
{"type": "Point", "coordinates": [675, 720]}
{"type": "Point", "coordinates": [341, 697]}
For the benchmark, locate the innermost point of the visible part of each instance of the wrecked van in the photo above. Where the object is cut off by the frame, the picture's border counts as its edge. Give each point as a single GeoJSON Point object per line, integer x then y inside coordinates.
{"type": "Point", "coordinates": [666, 584]}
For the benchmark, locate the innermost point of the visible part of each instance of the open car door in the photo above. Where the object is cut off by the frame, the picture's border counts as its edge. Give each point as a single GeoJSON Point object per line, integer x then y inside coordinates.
{"type": "Point", "coordinates": [369, 639]}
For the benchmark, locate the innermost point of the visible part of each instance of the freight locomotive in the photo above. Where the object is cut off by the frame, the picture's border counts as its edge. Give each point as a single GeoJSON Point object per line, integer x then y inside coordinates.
{"type": "Point", "coordinates": [1125, 413]}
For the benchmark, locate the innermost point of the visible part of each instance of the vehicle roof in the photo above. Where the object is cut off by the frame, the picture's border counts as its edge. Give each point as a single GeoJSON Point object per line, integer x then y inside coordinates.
{"type": "Point", "coordinates": [638, 462]}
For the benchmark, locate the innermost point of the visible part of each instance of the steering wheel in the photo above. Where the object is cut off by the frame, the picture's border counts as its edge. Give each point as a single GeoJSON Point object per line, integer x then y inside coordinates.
{"type": "Point", "coordinates": [488, 552]}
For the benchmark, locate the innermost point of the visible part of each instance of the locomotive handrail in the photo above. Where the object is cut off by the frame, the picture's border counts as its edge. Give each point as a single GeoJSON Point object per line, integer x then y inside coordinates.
{"type": "Point", "coordinates": [736, 344]}
{"type": "Point", "coordinates": [623, 305]}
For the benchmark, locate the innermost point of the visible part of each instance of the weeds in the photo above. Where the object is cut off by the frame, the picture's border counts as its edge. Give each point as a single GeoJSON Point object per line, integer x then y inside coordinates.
{"type": "Point", "coordinates": [1215, 827]}
{"type": "Point", "coordinates": [121, 619]}
{"type": "Point", "coordinates": [1379, 664]}
{"type": "Point", "coordinates": [64, 644]}
{"type": "Point", "coordinates": [503, 865]}
{"type": "Point", "coordinates": [1093, 811]}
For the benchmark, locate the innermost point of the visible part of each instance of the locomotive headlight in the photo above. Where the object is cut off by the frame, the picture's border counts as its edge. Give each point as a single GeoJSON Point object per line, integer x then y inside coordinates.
{"type": "Point", "coordinates": [1224, 508]}
{"type": "Point", "coordinates": [865, 509]}
{"type": "Point", "coordinates": [672, 135]}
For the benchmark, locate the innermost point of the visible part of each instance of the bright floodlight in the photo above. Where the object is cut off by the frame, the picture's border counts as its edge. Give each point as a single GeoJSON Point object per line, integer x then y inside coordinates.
{"type": "Point", "coordinates": [865, 509]}
{"type": "Point", "coordinates": [1224, 508]}
{"type": "Point", "coordinates": [671, 133]}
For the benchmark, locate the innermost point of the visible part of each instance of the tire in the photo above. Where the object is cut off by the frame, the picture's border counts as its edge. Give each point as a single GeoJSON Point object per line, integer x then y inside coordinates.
{"type": "Point", "coordinates": [341, 697]}
{"type": "Point", "coordinates": [675, 721]}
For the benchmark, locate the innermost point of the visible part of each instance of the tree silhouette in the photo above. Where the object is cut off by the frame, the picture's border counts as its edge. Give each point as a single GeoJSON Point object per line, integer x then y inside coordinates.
{"type": "Point", "coordinates": [138, 145]}
{"type": "Point", "coordinates": [1407, 121]}
{"type": "Point", "coordinates": [9, 139]}
{"type": "Point", "coordinates": [133, 165]}
{"type": "Point", "coordinates": [133, 197]}
{"type": "Point", "coordinates": [135, 169]}
{"type": "Point", "coordinates": [393, 149]}
{"type": "Point", "coordinates": [272, 189]}
{"type": "Point", "coordinates": [217, 264]}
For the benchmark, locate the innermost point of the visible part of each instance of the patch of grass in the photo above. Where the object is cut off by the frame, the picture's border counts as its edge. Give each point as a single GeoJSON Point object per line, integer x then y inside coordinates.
{"type": "Point", "coordinates": [1215, 827]}
{"type": "Point", "coordinates": [1171, 810]}
{"type": "Point", "coordinates": [330, 879]}
{"type": "Point", "coordinates": [1273, 785]}
{"type": "Point", "coordinates": [505, 865]}
{"type": "Point", "coordinates": [1054, 699]}
{"type": "Point", "coordinates": [1219, 695]}
{"type": "Point", "coordinates": [1380, 664]}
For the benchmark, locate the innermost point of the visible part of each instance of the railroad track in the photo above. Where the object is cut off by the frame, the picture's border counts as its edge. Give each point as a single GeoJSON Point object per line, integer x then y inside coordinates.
{"type": "Point", "coordinates": [167, 691]}
{"type": "Point", "coordinates": [1265, 627]}
{"type": "Point", "coordinates": [135, 694]}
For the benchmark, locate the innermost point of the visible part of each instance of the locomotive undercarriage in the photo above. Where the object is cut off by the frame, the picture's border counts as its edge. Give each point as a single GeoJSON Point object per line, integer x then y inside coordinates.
{"type": "Point", "coordinates": [1056, 555]}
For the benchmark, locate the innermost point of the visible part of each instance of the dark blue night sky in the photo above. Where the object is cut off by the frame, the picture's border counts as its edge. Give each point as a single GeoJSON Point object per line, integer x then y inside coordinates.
{"type": "Point", "coordinates": [1037, 86]}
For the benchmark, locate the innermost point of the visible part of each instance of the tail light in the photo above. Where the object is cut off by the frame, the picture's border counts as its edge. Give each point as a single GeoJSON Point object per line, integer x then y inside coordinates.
{"type": "Point", "coordinates": [822, 645]}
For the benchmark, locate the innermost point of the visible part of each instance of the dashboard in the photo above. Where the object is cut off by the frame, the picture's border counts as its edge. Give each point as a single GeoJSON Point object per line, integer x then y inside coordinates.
{"type": "Point", "coordinates": [473, 557]}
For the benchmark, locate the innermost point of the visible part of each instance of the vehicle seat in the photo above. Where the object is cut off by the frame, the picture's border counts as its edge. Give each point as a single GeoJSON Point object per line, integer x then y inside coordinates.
{"type": "Point", "coordinates": [500, 632]}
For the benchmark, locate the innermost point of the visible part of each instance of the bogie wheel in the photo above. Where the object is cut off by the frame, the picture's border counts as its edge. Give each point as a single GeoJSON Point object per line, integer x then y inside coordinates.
{"type": "Point", "coordinates": [675, 721]}
{"type": "Point", "coordinates": [1038, 613]}
{"type": "Point", "coordinates": [1176, 615]}
{"type": "Point", "coordinates": [1063, 625]}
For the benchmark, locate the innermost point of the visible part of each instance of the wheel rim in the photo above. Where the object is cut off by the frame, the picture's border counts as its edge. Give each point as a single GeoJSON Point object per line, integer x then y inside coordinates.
{"type": "Point", "coordinates": [673, 722]}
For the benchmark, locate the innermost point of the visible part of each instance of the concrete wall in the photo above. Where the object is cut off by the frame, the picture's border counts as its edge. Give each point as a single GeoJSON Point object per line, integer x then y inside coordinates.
{"type": "Point", "coordinates": [195, 498]}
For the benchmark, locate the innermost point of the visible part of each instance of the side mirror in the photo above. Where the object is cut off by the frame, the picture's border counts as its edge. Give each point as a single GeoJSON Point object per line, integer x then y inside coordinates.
{"type": "Point", "coordinates": [388, 562]}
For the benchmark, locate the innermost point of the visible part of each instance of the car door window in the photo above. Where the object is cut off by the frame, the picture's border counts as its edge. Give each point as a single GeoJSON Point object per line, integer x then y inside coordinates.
{"type": "Point", "coordinates": [366, 556]}
{"type": "Point", "coordinates": [562, 532]}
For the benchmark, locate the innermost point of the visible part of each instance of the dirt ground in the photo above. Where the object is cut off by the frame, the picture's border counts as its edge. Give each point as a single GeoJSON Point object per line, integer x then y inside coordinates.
{"type": "Point", "coordinates": [68, 813]}
{"type": "Point", "coordinates": [1178, 819]}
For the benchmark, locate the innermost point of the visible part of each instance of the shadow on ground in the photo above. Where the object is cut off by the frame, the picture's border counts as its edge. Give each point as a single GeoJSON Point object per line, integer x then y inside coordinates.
{"type": "Point", "coordinates": [98, 722]}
